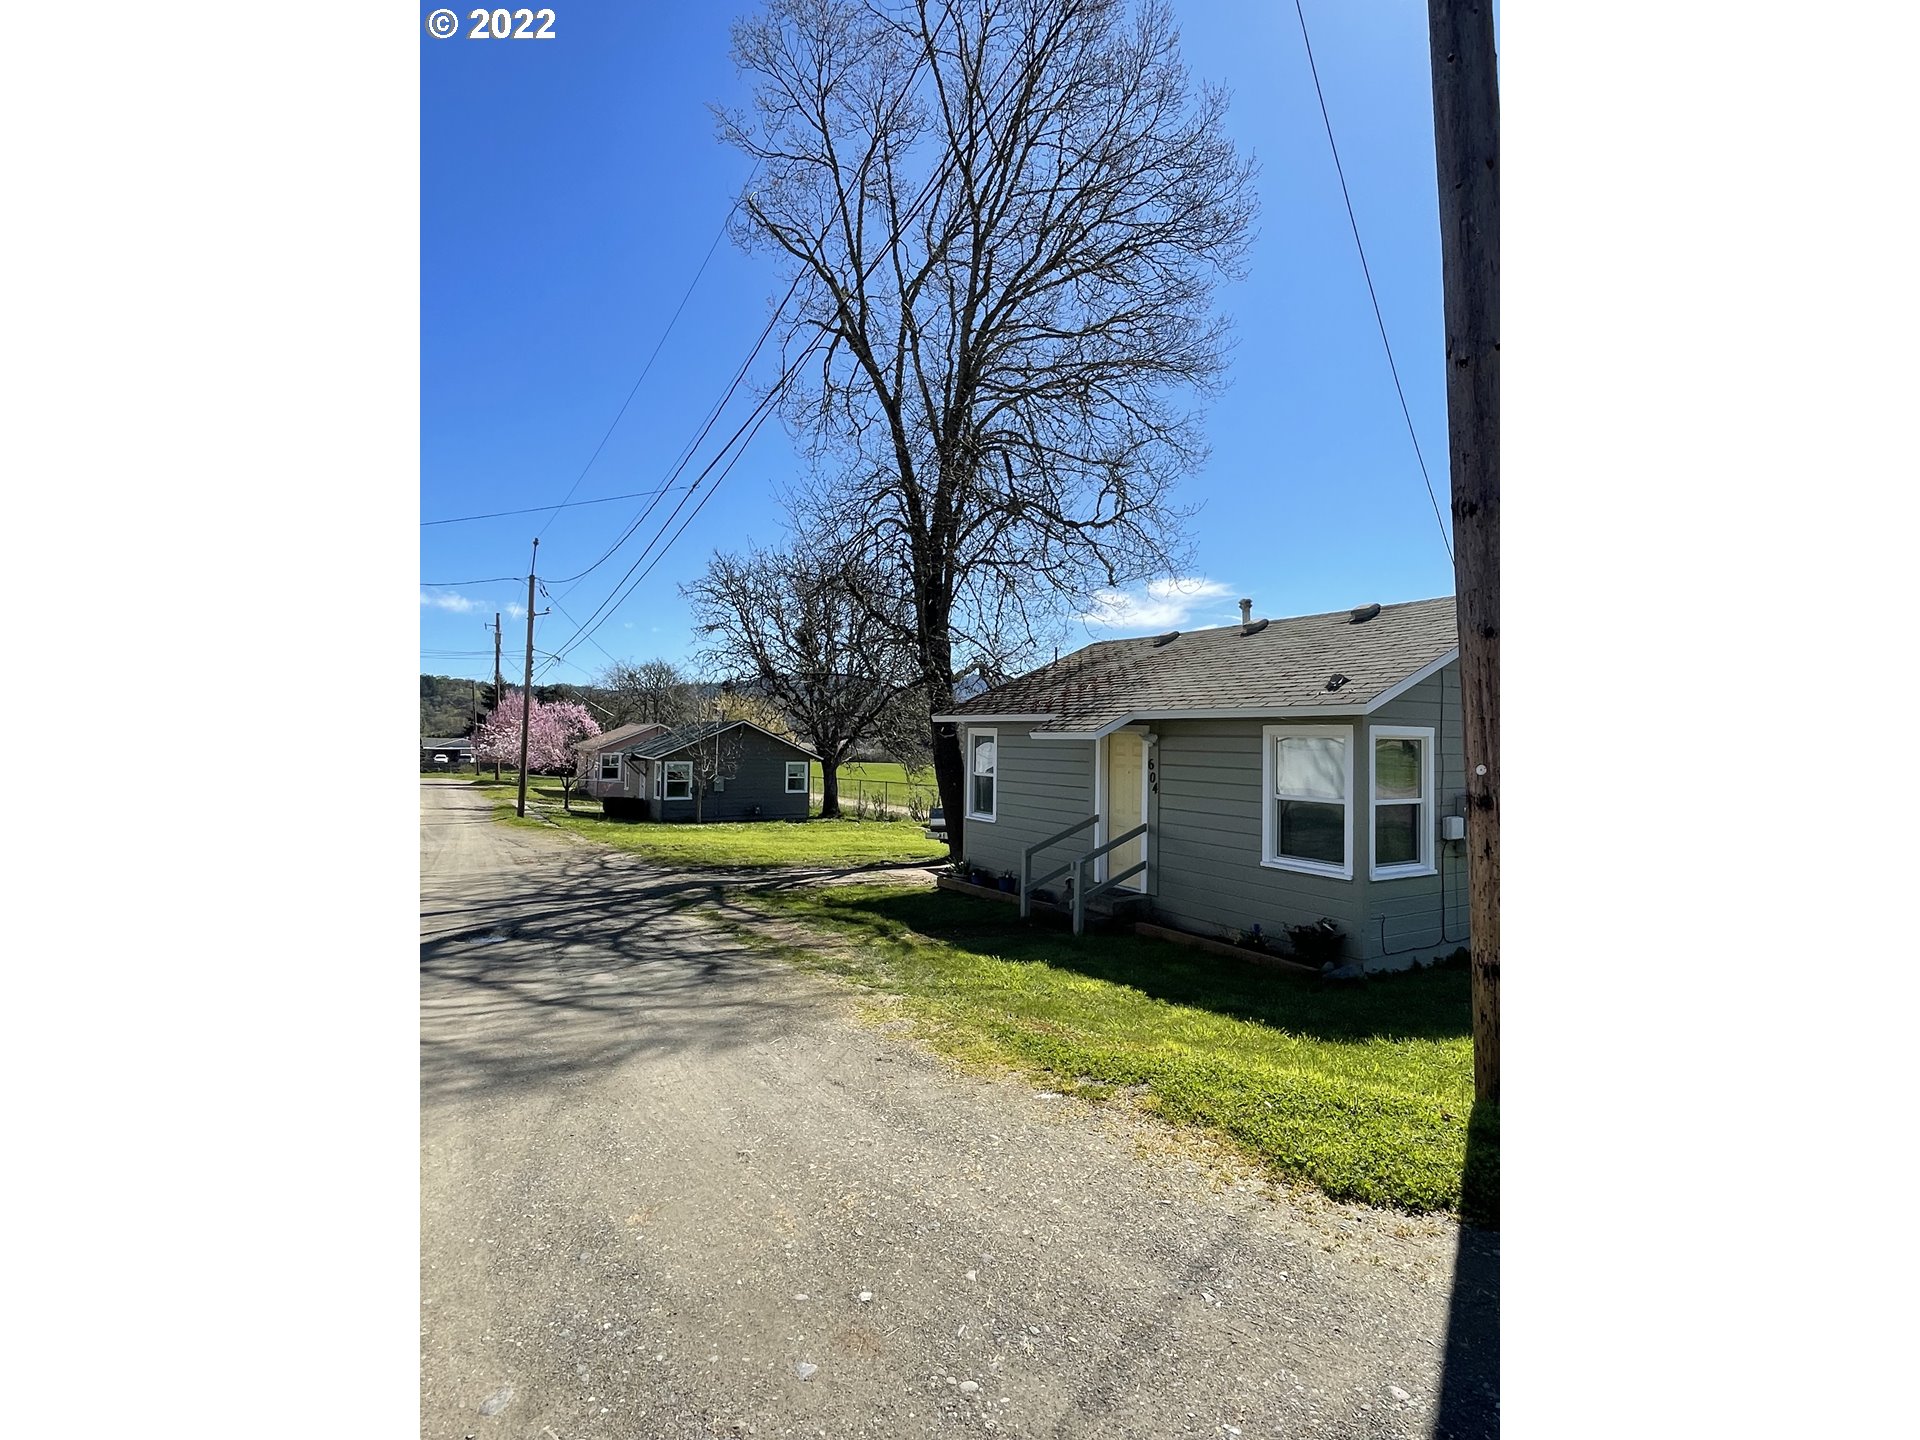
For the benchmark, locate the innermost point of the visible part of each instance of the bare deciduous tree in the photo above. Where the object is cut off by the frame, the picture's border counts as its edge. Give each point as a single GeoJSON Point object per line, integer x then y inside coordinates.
{"type": "Point", "coordinates": [716, 759]}
{"type": "Point", "coordinates": [1005, 219]}
{"type": "Point", "coordinates": [654, 691]}
{"type": "Point", "coordinates": [815, 643]}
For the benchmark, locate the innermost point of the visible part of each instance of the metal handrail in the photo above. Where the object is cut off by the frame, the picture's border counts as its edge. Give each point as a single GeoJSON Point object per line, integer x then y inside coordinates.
{"type": "Point", "coordinates": [1083, 893]}
{"type": "Point", "coordinates": [1028, 879]}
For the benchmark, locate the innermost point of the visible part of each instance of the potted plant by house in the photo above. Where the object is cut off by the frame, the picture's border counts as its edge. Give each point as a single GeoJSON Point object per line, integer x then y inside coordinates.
{"type": "Point", "coordinates": [1317, 943]}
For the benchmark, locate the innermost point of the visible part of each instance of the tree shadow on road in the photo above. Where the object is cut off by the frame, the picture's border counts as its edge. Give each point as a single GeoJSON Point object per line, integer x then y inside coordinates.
{"type": "Point", "coordinates": [573, 972]}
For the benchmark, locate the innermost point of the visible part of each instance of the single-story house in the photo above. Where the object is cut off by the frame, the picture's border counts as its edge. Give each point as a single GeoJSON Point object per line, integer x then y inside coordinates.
{"type": "Point", "coordinates": [449, 754]}
{"type": "Point", "coordinates": [1278, 772]}
{"type": "Point", "coordinates": [609, 773]}
{"type": "Point", "coordinates": [741, 771]}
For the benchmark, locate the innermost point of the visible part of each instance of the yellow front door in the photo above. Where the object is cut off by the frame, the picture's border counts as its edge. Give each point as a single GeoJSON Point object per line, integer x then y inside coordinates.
{"type": "Point", "coordinates": [1126, 804]}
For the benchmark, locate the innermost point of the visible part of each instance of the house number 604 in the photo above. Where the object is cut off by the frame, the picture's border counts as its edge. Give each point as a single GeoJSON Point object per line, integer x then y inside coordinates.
{"type": "Point", "coordinates": [510, 24]}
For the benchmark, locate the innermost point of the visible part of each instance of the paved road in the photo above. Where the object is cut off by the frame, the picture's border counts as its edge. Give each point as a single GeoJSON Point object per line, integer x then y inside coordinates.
{"type": "Point", "coordinates": [671, 1188]}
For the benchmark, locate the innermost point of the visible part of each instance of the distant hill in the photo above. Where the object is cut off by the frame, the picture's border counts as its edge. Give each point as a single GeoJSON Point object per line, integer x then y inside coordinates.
{"type": "Point", "coordinates": [448, 702]}
{"type": "Point", "coordinates": [446, 706]}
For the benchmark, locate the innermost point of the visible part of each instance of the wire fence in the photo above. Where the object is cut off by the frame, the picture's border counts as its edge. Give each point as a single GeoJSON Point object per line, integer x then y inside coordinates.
{"type": "Point", "coordinates": [885, 799]}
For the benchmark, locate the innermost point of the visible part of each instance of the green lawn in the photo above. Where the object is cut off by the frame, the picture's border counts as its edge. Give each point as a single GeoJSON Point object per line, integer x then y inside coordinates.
{"type": "Point", "coordinates": [881, 781]}
{"type": "Point", "coordinates": [876, 770]}
{"type": "Point", "coordinates": [754, 845]}
{"type": "Point", "coordinates": [1365, 1093]}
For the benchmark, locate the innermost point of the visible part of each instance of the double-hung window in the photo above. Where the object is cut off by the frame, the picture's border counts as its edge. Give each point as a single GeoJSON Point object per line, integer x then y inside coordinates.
{"type": "Point", "coordinates": [1307, 773]}
{"type": "Point", "coordinates": [1402, 821]}
{"type": "Point", "coordinates": [983, 755]}
{"type": "Point", "coordinates": [610, 765]}
{"type": "Point", "coordinates": [796, 777]}
{"type": "Point", "coordinates": [678, 779]}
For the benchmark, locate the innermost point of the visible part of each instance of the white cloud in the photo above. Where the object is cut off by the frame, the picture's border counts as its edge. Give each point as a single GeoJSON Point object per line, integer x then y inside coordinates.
{"type": "Point", "coordinates": [1159, 605]}
{"type": "Point", "coordinates": [516, 611]}
{"type": "Point", "coordinates": [448, 600]}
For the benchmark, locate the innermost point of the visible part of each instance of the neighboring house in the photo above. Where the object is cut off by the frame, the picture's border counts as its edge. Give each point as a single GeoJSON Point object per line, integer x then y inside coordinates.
{"type": "Point", "coordinates": [742, 771]}
{"type": "Point", "coordinates": [1284, 771]}
{"type": "Point", "coordinates": [446, 755]}
{"type": "Point", "coordinates": [610, 773]}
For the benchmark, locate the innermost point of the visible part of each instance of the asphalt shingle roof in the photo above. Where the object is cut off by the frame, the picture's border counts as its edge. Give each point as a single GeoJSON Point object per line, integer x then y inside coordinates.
{"type": "Point", "coordinates": [688, 736]}
{"type": "Point", "coordinates": [1284, 664]}
{"type": "Point", "coordinates": [616, 737]}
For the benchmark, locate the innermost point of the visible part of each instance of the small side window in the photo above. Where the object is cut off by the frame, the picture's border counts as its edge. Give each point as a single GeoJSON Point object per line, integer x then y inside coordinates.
{"type": "Point", "coordinates": [983, 764]}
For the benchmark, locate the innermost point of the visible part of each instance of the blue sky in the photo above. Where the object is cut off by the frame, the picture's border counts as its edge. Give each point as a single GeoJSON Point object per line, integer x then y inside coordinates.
{"type": "Point", "coordinates": [570, 190]}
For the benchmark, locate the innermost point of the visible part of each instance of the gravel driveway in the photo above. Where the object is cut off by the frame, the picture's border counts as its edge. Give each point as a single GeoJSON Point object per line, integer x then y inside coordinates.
{"type": "Point", "coordinates": [672, 1188]}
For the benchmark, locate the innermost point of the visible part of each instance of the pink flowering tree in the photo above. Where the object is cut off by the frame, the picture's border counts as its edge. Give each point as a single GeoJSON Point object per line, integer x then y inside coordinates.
{"type": "Point", "coordinates": [552, 731]}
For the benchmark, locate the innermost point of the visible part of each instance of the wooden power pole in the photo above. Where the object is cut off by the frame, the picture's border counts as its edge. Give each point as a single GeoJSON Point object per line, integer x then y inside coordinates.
{"type": "Point", "coordinates": [497, 697]}
{"type": "Point", "coordinates": [1466, 135]}
{"type": "Point", "coordinates": [526, 693]}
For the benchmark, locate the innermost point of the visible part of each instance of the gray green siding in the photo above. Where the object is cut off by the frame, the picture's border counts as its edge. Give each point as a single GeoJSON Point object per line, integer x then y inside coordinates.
{"type": "Point", "coordinates": [755, 782]}
{"type": "Point", "coordinates": [1204, 853]}
{"type": "Point", "coordinates": [1042, 787]}
{"type": "Point", "coordinates": [1208, 876]}
{"type": "Point", "coordinates": [1425, 916]}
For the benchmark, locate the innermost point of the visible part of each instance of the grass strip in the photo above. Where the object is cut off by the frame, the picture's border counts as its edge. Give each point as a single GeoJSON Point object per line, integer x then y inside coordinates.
{"type": "Point", "coordinates": [1365, 1093]}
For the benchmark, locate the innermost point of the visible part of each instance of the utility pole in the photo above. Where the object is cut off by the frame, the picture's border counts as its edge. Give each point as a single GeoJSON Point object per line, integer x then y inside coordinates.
{"type": "Point", "coordinates": [473, 730]}
{"type": "Point", "coordinates": [526, 693]}
{"type": "Point", "coordinates": [496, 692]}
{"type": "Point", "coordinates": [1466, 136]}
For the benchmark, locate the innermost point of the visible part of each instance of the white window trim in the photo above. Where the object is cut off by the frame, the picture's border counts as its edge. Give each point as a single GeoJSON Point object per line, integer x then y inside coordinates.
{"type": "Point", "coordinates": [671, 770]}
{"type": "Point", "coordinates": [613, 755]}
{"type": "Point", "coordinates": [1425, 864]}
{"type": "Point", "coordinates": [1268, 840]}
{"type": "Point", "coordinates": [986, 733]}
{"type": "Point", "coordinates": [805, 775]}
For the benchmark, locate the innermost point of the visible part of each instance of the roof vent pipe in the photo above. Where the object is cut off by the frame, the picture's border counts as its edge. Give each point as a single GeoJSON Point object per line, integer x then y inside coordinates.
{"type": "Point", "coordinates": [1246, 612]}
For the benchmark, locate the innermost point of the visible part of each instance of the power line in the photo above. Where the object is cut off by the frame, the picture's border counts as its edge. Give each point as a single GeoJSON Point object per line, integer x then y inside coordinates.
{"type": "Point", "coordinates": [576, 624]}
{"type": "Point", "coordinates": [687, 452]}
{"type": "Point", "coordinates": [537, 509]}
{"type": "Point", "coordinates": [718, 237]}
{"type": "Point", "coordinates": [1378, 319]}
{"type": "Point", "coordinates": [616, 597]}
{"type": "Point", "coordinates": [756, 418]}
{"type": "Point", "coordinates": [495, 580]}
{"type": "Point", "coordinates": [612, 604]}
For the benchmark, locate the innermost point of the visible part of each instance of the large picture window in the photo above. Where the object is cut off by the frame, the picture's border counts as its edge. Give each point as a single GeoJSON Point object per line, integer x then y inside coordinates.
{"type": "Point", "coordinates": [1402, 806]}
{"type": "Point", "coordinates": [678, 779]}
{"type": "Point", "coordinates": [983, 758]}
{"type": "Point", "coordinates": [1308, 781]}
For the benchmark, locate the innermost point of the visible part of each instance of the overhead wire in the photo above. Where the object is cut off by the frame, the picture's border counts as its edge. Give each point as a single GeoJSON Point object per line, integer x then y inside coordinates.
{"type": "Point", "coordinates": [537, 509]}
{"type": "Point", "coordinates": [617, 596]}
{"type": "Point", "coordinates": [693, 445]}
{"type": "Point", "coordinates": [1399, 390]}
{"type": "Point", "coordinates": [719, 235]}
{"type": "Point", "coordinates": [756, 418]}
